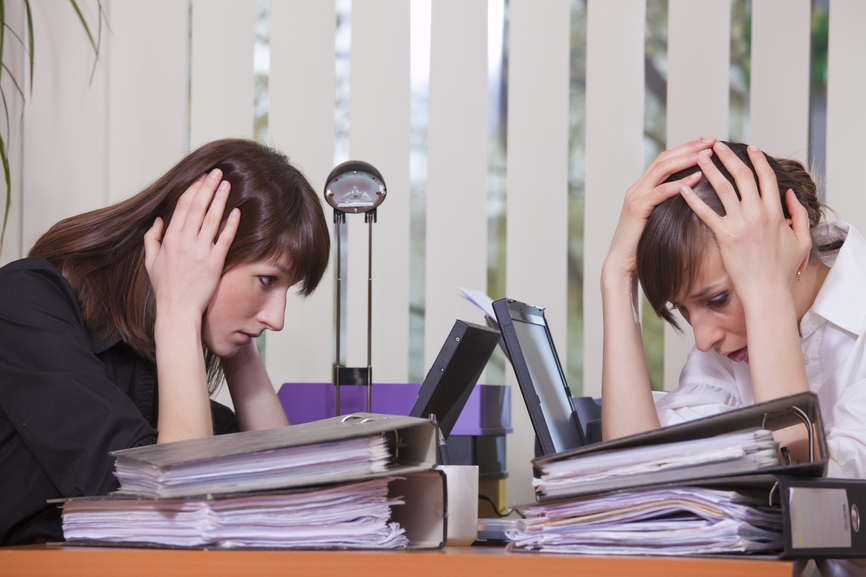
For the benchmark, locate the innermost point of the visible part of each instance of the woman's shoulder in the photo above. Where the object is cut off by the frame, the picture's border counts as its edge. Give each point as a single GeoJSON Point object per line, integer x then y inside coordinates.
{"type": "Point", "coordinates": [32, 281]}
{"type": "Point", "coordinates": [30, 267]}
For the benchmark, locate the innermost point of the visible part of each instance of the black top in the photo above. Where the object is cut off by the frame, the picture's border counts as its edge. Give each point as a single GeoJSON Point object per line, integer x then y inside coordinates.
{"type": "Point", "coordinates": [68, 397]}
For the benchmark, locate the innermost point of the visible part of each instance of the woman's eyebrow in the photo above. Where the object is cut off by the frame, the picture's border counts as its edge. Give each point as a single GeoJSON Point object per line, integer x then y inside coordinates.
{"type": "Point", "coordinates": [704, 292]}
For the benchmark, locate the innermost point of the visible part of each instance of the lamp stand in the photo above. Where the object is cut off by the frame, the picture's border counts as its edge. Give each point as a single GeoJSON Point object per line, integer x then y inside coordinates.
{"type": "Point", "coordinates": [355, 376]}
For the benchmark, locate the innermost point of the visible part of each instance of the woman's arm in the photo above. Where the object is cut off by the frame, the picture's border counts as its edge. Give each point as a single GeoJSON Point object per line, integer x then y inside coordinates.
{"type": "Point", "coordinates": [185, 265]}
{"type": "Point", "coordinates": [761, 253]}
{"type": "Point", "coordinates": [256, 403]}
{"type": "Point", "coordinates": [61, 413]}
{"type": "Point", "coordinates": [627, 405]}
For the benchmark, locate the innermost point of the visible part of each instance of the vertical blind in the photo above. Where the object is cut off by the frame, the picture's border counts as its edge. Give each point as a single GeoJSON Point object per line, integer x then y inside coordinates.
{"type": "Point", "coordinates": [173, 74]}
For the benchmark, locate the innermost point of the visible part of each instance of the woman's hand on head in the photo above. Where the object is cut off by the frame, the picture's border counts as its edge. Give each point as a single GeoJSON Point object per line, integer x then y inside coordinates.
{"type": "Point", "coordinates": [643, 196]}
{"type": "Point", "coordinates": [184, 261]}
{"type": "Point", "coordinates": [760, 249]}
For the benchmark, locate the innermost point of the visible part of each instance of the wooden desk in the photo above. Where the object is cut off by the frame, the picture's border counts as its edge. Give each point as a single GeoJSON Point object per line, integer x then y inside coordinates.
{"type": "Point", "coordinates": [451, 562]}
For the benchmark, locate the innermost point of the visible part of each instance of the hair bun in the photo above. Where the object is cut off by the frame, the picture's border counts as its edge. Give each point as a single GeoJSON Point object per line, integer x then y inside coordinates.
{"type": "Point", "coordinates": [802, 183]}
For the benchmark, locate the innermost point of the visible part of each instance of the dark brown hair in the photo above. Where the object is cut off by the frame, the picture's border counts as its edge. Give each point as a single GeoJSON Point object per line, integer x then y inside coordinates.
{"type": "Point", "coordinates": [101, 253]}
{"type": "Point", "coordinates": [674, 239]}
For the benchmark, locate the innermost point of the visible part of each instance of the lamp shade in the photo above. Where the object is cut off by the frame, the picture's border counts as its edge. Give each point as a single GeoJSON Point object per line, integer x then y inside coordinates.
{"type": "Point", "coordinates": [355, 186]}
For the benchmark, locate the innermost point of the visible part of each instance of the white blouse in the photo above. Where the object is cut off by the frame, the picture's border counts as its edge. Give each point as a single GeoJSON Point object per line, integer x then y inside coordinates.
{"type": "Point", "coordinates": [833, 339]}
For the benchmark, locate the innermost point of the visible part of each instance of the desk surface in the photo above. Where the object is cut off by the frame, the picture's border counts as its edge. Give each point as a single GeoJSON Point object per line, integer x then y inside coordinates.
{"type": "Point", "coordinates": [451, 561]}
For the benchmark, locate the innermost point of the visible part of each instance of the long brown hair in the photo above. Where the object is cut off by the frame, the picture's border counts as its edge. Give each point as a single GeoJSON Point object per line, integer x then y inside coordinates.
{"type": "Point", "coordinates": [101, 253]}
{"type": "Point", "coordinates": [674, 239]}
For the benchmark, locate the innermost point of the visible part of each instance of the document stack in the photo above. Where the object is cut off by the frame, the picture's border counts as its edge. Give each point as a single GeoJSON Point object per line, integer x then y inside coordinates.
{"type": "Point", "coordinates": [359, 481]}
{"type": "Point", "coordinates": [710, 486]}
{"type": "Point", "coordinates": [666, 520]}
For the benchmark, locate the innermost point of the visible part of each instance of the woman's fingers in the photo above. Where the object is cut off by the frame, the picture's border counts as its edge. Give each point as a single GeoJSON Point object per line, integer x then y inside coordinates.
{"type": "Point", "coordinates": [227, 236]}
{"type": "Point", "coordinates": [799, 216]}
{"type": "Point", "coordinates": [178, 218]}
{"type": "Point", "coordinates": [766, 180]}
{"type": "Point", "coordinates": [197, 208]}
{"type": "Point", "coordinates": [742, 174]}
{"type": "Point", "coordinates": [211, 222]}
{"type": "Point", "coordinates": [152, 242]}
{"type": "Point", "coordinates": [723, 187]}
{"type": "Point", "coordinates": [700, 208]}
{"type": "Point", "coordinates": [668, 189]}
{"type": "Point", "coordinates": [200, 209]}
{"type": "Point", "coordinates": [675, 160]}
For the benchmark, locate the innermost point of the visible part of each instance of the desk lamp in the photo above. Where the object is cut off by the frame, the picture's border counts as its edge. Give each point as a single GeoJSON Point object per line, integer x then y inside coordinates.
{"type": "Point", "coordinates": [354, 187]}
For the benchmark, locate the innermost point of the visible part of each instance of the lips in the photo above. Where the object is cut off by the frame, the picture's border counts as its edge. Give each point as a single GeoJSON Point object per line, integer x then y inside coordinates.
{"type": "Point", "coordinates": [740, 355]}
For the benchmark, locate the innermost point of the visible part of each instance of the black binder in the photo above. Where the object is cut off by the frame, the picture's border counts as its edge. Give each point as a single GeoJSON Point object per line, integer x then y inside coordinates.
{"type": "Point", "coordinates": [773, 415]}
{"type": "Point", "coordinates": [821, 516]}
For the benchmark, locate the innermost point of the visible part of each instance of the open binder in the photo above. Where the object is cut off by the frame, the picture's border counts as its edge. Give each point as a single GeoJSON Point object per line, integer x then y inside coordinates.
{"type": "Point", "coordinates": [410, 469]}
{"type": "Point", "coordinates": [412, 442]}
{"type": "Point", "coordinates": [820, 517]}
{"type": "Point", "coordinates": [771, 415]}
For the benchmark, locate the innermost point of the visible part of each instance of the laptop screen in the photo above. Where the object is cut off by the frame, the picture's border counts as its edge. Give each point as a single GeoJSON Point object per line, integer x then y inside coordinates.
{"type": "Point", "coordinates": [539, 374]}
{"type": "Point", "coordinates": [455, 371]}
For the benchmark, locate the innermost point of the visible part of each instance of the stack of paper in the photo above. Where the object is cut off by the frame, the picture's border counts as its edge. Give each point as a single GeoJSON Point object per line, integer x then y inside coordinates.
{"type": "Point", "coordinates": [348, 516]}
{"type": "Point", "coordinates": [727, 454]}
{"type": "Point", "coordinates": [330, 483]}
{"type": "Point", "coordinates": [272, 469]}
{"type": "Point", "coordinates": [669, 521]}
{"type": "Point", "coordinates": [701, 487]}
{"type": "Point", "coordinates": [584, 515]}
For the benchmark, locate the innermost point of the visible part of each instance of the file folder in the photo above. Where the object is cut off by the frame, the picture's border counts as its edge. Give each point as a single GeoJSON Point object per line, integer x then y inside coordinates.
{"type": "Point", "coordinates": [822, 517]}
{"type": "Point", "coordinates": [772, 415]}
{"type": "Point", "coordinates": [411, 469]}
{"type": "Point", "coordinates": [413, 441]}
{"type": "Point", "coordinates": [423, 514]}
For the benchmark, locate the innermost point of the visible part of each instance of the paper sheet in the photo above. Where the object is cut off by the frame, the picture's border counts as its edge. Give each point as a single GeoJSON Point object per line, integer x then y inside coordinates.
{"type": "Point", "coordinates": [351, 516]}
{"type": "Point", "coordinates": [671, 521]}
{"type": "Point", "coordinates": [317, 464]}
{"type": "Point", "coordinates": [721, 455]}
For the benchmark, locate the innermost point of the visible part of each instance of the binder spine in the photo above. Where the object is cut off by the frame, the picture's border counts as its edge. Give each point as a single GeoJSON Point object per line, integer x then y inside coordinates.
{"type": "Point", "coordinates": [822, 518]}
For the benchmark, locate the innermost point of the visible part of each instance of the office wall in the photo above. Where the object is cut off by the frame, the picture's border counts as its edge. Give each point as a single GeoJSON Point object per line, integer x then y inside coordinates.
{"type": "Point", "coordinates": [173, 74]}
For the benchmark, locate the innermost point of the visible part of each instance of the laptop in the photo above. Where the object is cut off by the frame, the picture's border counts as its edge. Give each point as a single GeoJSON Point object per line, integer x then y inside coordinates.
{"type": "Point", "coordinates": [560, 422]}
{"type": "Point", "coordinates": [453, 375]}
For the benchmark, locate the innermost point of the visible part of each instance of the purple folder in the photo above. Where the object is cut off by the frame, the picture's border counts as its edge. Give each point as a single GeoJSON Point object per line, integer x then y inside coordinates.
{"type": "Point", "coordinates": [487, 412]}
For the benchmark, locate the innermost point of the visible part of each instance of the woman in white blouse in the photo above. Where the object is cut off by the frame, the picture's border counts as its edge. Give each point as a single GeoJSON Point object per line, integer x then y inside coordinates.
{"type": "Point", "coordinates": [734, 240]}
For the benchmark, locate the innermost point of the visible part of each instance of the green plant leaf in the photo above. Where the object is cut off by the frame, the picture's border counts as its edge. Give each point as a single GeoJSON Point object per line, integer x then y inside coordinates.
{"type": "Point", "coordinates": [6, 110]}
{"type": "Point", "coordinates": [5, 160]}
{"type": "Point", "coordinates": [97, 44]}
{"type": "Point", "coordinates": [2, 27]}
{"type": "Point", "coordinates": [30, 40]}
{"type": "Point", "coordinates": [14, 81]}
{"type": "Point", "coordinates": [84, 23]}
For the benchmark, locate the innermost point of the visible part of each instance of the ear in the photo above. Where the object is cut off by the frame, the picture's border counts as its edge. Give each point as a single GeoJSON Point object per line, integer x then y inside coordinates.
{"type": "Point", "coordinates": [790, 222]}
{"type": "Point", "coordinates": [802, 266]}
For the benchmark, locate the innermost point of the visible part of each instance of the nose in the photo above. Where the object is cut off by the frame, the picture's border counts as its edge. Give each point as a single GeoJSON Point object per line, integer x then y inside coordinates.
{"type": "Point", "coordinates": [707, 332]}
{"type": "Point", "coordinates": [273, 314]}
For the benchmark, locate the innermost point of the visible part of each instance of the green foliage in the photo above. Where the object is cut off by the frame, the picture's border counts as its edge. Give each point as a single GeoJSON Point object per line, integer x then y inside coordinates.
{"type": "Point", "coordinates": [820, 43]}
{"type": "Point", "coordinates": [29, 48]}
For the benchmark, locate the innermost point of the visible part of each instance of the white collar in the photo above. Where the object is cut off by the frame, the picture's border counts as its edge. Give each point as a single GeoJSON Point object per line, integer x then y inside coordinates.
{"type": "Point", "coordinates": [847, 277]}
